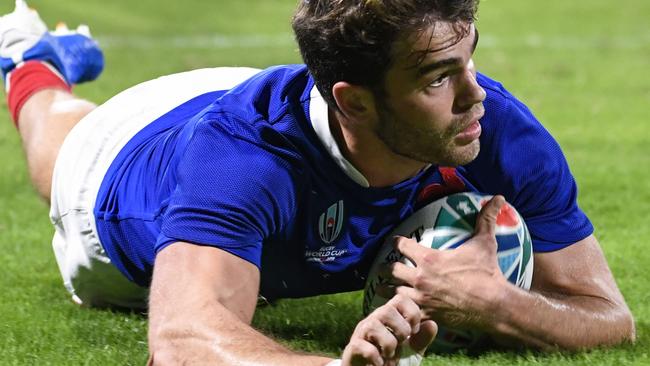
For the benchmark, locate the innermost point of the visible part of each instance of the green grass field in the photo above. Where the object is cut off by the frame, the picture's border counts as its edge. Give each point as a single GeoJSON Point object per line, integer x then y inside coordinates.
{"type": "Point", "coordinates": [580, 65]}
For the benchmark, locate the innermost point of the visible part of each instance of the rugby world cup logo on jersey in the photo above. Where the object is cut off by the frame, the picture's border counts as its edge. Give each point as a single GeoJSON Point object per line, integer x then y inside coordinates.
{"type": "Point", "coordinates": [330, 222]}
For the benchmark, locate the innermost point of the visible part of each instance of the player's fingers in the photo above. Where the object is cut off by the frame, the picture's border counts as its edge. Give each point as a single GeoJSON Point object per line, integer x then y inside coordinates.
{"type": "Point", "coordinates": [380, 333]}
{"type": "Point", "coordinates": [400, 273]}
{"type": "Point", "coordinates": [487, 218]}
{"type": "Point", "coordinates": [422, 339]}
{"type": "Point", "coordinates": [385, 271]}
{"type": "Point", "coordinates": [409, 248]}
{"type": "Point", "coordinates": [385, 340]}
{"type": "Point", "coordinates": [393, 320]}
{"type": "Point", "coordinates": [411, 293]}
{"type": "Point", "coordinates": [408, 310]}
{"type": "Point", "coordinates": [361, 352]}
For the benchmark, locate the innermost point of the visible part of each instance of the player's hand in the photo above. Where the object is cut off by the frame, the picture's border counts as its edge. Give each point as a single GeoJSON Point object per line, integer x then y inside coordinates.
{"type": "Point", "coordinates": [381, 337]}
{"type": "Point", "coordinates": [455, 287]}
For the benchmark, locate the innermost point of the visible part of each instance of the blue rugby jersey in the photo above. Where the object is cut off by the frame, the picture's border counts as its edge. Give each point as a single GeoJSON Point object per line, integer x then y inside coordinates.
{"type": "Point", "coordinates": [245, 170]}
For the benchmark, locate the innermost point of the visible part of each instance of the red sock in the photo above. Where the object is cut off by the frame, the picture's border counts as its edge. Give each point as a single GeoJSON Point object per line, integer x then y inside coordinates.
{"type": "Point", "coordinates": [26, 80]}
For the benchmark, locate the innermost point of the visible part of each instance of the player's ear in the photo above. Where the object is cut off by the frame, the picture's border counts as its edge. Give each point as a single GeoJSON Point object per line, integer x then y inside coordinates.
{"type": "Point", "coordinates": [355, 102]}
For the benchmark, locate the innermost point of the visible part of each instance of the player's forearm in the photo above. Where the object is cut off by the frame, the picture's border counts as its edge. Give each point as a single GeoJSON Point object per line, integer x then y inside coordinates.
{"type": "Point", "coordinates": [201, 302]}
{"type": "Point", "coordinates": [567, 322]}
{"type": "Point", "coordinates": [219, 338]}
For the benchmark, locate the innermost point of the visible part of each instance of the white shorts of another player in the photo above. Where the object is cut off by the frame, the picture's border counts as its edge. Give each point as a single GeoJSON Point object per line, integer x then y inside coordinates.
{"type": "Point", "coordinates": [83, 160]}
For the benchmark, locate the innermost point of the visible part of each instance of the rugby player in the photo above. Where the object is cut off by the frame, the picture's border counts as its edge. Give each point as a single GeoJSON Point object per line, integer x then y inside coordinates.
{"type": "Point", "coordinates": [195, 193]}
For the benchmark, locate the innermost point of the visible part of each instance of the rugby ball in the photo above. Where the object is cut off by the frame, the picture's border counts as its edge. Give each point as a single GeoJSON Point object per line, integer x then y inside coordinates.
{"type": "Point", "coordinates": [446, 224]}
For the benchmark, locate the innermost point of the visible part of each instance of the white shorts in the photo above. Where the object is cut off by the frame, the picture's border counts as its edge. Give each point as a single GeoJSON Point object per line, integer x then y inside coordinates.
{"type": "Point", "coordinates": [83, 160]}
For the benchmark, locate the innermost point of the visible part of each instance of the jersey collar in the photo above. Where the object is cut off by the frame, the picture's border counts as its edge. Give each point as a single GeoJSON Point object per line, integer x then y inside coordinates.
{"type": "Point", "coordinates": [318, 114]}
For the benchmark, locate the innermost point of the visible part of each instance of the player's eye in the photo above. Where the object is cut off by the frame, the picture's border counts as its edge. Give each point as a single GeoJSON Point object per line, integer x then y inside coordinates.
{"type": "Point", "coordinates": [439, 81]}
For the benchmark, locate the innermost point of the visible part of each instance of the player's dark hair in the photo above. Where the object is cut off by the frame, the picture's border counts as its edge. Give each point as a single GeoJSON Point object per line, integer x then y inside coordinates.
{"type": "Point", "coordinates": [352, 40]}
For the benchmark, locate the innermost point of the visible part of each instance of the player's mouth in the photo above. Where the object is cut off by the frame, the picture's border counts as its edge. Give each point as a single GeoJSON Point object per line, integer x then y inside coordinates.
{"type": "Point", "coordinates": [471, 132]}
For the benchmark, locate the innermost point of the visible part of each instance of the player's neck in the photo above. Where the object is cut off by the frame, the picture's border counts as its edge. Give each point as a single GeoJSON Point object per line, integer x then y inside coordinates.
{"type": "Point", "coordinates": [370, 155]}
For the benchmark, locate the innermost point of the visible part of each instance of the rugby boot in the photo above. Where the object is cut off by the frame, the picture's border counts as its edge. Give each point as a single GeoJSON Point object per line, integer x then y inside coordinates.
{"type": "Point", "coordinates": [24, 37]}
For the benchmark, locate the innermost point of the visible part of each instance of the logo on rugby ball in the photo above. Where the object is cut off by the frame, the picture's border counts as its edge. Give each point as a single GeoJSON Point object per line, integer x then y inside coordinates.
{"type": "Point", "coordinates": [331, 222]}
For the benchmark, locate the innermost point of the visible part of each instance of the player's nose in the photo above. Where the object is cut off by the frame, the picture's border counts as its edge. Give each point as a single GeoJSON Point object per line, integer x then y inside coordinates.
{"type": "Point", "coordinates": [469, 92]}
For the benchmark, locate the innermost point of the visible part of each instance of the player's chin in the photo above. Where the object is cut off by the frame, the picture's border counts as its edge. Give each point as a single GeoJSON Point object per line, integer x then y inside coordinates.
{"type": "Point", "coordinates": [463, 154]}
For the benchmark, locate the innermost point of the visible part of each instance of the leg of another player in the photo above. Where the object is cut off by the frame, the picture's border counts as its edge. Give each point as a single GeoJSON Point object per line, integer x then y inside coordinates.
{"type": "Point", "coordinates": [45, 120]}
{"type": "Point", "coordinates": [39, 67]}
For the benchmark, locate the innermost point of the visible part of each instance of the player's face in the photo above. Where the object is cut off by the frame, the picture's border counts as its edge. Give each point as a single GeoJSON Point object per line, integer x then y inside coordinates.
{"type": "Point", "coordinates": [430, 111]}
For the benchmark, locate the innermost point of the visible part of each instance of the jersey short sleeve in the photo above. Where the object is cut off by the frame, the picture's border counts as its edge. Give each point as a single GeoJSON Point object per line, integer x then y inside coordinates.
{"type": "Point", "coordinates": [521, 160]}
{"type": "Point", "coordinates": [231, 193]}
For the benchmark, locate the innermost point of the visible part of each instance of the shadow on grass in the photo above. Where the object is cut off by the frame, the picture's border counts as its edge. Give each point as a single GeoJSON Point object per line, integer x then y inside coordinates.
{"type": "Point", "coordinates": [624, 354]}
{"type": "Point", "coordinates": [319, 324]}
{"type": "Point", "coordinates": [324, 325]}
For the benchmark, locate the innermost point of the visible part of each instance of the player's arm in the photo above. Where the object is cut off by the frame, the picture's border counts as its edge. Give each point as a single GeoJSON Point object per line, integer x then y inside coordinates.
{"type": "Point", "coordinates": [573, 304]}
{"type": "Point", "coordinates": [201, 303]}
{"type": "Point", "coordinates": [203, 299]}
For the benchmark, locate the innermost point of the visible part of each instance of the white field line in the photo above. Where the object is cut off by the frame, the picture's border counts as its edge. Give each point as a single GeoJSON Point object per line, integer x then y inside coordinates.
{"type": "Point", "coordinates": [538, 41]}
{"type": "Point", "coordinates": [214, 41]}
{"type": "Point", "coordinates": [219, 41]}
